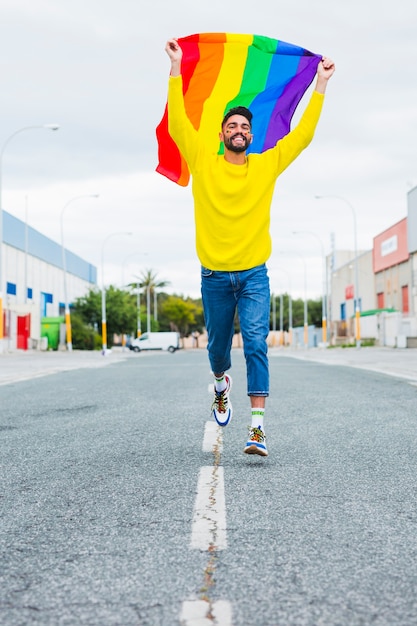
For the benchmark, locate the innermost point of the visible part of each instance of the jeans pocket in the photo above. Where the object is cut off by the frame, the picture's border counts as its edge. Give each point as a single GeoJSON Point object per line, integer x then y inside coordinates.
{"type": "Point", "coordinates": [205, 272]}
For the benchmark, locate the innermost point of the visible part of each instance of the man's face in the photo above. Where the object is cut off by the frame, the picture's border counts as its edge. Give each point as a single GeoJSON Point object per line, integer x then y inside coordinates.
{"type": "Point", "coordinates": [236, 134]}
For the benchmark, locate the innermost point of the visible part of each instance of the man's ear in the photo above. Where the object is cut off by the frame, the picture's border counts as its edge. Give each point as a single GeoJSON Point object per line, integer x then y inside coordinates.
{"type": "Point", "coordinates": [221, 136]}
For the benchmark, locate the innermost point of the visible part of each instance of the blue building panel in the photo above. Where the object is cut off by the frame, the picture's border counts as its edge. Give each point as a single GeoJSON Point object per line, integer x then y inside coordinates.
{"type": "Point", "coordinates": [45, 249]}
{"type": "Point", "coordinates": [11, 289]}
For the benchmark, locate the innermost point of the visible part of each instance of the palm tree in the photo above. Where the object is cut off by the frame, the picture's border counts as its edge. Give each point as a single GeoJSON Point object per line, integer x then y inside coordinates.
{"type": "Point", "coordinates": [148, 280]}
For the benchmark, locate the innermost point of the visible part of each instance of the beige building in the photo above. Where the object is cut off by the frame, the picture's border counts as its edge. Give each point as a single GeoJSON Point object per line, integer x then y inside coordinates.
{"type": "Point", "coordinates": [342, 297]}
{"type": "Point", "coordinates": [386, 287]}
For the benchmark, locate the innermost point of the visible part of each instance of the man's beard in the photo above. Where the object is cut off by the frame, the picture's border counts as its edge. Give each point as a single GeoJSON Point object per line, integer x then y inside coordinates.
{"type": "Point", "coordinates": [228, 142]}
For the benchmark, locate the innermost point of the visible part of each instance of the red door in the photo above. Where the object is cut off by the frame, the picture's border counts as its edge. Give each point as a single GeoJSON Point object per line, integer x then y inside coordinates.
{"type": "Point", "coordinates": [23, 331]}
{"type": "Point", "coordinates": [404, 296]}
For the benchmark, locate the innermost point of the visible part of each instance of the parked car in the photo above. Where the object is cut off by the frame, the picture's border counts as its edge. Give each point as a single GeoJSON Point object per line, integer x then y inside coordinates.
{"type": "Point", "coordinates": [156, 341]}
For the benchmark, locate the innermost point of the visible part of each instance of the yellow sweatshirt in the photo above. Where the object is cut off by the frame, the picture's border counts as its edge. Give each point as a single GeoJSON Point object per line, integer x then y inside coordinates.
{"type": "Point", "coordinates": [232, 203]}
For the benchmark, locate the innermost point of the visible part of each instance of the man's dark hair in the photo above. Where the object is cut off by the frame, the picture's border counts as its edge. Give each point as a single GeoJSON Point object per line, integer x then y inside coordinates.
{"type": "Point", "coordinates": [238, 111]}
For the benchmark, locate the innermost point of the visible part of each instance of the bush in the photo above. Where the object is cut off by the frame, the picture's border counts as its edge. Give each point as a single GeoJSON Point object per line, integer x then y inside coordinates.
{"type": "Point", "coordinates": [83, 336]}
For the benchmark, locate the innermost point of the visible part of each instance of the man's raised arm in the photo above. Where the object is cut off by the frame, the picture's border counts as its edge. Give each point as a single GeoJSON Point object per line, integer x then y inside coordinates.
{"type": "Point", "coordinates": [173, 50]}
{"type": "Point", "coordinates": [325, 70]}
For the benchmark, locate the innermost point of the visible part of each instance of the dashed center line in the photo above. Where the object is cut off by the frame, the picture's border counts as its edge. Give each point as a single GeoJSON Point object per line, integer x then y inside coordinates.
{"type": "Point", "coordinates": [201, 613]}
{"type": "Point", "coordinates": [209, 519]}
{"type": "Point", "coordinates": [208, 534]}
{"type": "Point", "coordinates": [213, 438]}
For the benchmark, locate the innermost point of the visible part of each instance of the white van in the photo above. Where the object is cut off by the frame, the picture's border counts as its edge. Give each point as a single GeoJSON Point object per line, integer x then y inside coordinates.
{"type": "Point", "coordinates": [156, 341]}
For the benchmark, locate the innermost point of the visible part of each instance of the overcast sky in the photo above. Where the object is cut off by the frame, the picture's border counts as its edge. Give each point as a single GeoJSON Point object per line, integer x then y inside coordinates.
{"type": "Point", "coordinates": [99, 69]}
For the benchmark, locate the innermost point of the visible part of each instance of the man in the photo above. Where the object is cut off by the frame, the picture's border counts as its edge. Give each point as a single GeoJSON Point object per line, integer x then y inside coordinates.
{"type": "Point", "coordinates": [232, 201]}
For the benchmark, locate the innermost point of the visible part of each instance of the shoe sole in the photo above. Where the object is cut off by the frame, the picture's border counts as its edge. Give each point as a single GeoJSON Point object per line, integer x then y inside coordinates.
{"type": "Point", "coordinates": [253, 449]}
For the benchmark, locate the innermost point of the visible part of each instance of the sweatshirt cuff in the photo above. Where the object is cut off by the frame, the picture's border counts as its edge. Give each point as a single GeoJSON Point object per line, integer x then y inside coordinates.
{"type": "Point", "coordinates": [318, 95]}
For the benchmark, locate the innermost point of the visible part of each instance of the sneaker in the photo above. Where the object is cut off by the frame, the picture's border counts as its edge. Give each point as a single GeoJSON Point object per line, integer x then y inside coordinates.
{"type": "Point", "coordinates": [222, 407]}
{"type": "Point", "coordinates": [256, 443]}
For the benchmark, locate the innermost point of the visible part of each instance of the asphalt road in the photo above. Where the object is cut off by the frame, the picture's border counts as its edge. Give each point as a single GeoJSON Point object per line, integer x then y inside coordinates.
{"type": "Point", "coordinates": [99, 472]}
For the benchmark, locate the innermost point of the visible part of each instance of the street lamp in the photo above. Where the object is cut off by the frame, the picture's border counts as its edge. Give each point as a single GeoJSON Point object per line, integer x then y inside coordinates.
{"type": "Point", "coordinates": [324, 278]}
{"type": "Point", "coordinates": [4, 146]}
{"type": "Point", "coordinates": [305, 302]}
{"type": "Point", "coordinates": [355, 236]}
{"type": "Point", "coordinates": [305, 298]}
{"type": "Point", "coordinates": [139, 328]}
{"type": "Point", "coordinates": [281, 317]}
{"type": "Point", "coordinates": [290, 329]}
{"type": "Point", "coordinates": [64, 267]}
{"type": "Point", "coordinates": [26, 250]}
{"type": "Point", "coordinates": [126, 260]}
{"type": "Point", "coordinates": [148, 308]}
{"type": "Point", "coordinates": [103, 294]}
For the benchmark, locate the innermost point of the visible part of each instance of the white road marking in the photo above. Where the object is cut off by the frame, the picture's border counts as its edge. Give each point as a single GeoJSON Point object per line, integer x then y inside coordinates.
{"type": "Point", "coordinates": [197, 613]}
{"type": "Point", "coordinates": [213, 436]}
{"type": "Point", "coordinates": [209, 519]}
{"type": "Point", "coordinates": [208, 531]}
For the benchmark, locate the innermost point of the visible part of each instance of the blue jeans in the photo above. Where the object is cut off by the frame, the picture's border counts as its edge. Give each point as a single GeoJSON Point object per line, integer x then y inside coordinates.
{"type": "Point", "coordinates": [248, 292]}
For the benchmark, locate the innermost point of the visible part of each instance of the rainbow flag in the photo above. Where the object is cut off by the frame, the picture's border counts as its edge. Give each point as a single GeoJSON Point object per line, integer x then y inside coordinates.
{"type": "Point", "coordinates": [222, 70]}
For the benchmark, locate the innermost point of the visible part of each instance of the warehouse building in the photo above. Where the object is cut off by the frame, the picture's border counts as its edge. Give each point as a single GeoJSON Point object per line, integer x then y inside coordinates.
{"type": "Point", "coordinates": [34, 285]}
{"type": "Point", "coordinates": [387, 286]}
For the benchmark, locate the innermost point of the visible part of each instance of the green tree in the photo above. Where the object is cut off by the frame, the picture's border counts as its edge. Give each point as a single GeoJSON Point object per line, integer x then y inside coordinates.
{"type": "Point", "coordinates": [148, 279]}
{"type": "Point", "coordinates": [314, 312]}
{"type": "Point", "coordinates": [298, 312]}
{"type": "Point", "coordinates": [121, 311]}
{"type": "Point", "coordinates": [182, 314]}
{"type": "Point", "coordinates": [84, 336]}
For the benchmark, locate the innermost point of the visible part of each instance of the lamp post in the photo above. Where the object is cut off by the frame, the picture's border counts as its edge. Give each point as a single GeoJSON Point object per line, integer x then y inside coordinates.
{"type": "Point", "coordinates": [103, 294]}
{"type": "Point", "coordinates": [155, 305]}
{"type": "Point", "coordinates": [148, 308]}
{"type": "Point", "coordinates": [126, 261]}
{"type": "Point", "coordinates": [274, 317]}
{"type": "Point", "coordinates": [68, 330]}
{"type": "Point", "coordinates": [139, 326]}
{"type": "Point", "coordinates": [355, 239]}
{"type": "Point", "coordinates": [305, 303]}
{"type": "Point", "coordinates": [4, 146]}
{"type": "Point", "coordinates": [139, 329]}
{"type": "Point", "coordinates": [281, 269]}
{"type": "Point", "coordinates": [26, 249]}
{"type": "Point", "coordinates": [281, 316]}
{"type": "Point", "coordinates": [305, 299]}
{"type": "Point", "coordinates": [324, 279]}
{"type": "Point", "coordinates": [274, 313]}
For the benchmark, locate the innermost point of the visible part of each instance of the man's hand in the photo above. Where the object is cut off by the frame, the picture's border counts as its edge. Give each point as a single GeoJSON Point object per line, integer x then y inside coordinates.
{"type": "Point", "coordinates": [325, 70]}
{"type": "Point", "coordinates": [173, 50]}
